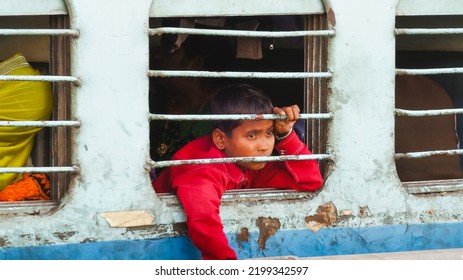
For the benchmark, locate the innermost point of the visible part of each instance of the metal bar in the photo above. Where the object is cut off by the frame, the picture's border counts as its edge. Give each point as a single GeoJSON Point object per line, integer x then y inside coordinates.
{"type": "Point", "coordinates": [74, 169]}
{"type": "Point", "coordinates": [234, 117]}
{"type": "Point", "coordinates": [229, 74]}
{"type": "Point", "coordinates": [167, 163]}
{"type": "Point", "coordinates": [240, 33]}
{"type": "Point", "coordinates": [428, 31]}
{"type": "Point", "coordinates": [40, 78]}
{"type": "Point", "coordinates": [40, 123]}
{"type": "Point", "coordinates": [41, 32]}
{"type": "Point", "coordinates": [433, 186]}
{"type": "Point", "coordinates": [423, 113]}
{"type": "Point", "coordinates": [430, 71]}
{"type": "Point", "coordinates": [433, 189]}
{"type": "Point", "coordinates": [428, 154]}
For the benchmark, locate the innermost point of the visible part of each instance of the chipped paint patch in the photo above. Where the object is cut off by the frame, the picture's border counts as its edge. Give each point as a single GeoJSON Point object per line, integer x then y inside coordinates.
{"type": "Point", "coordinates": [65, 235]}
{"type": "Point", "coordinates": [242, 237]}
{"type": "Point", "coordinates": [267, 227]}
{"type": "Point", "coordinates": [326, 215]}
{"type": "Point", "coordinates": [364, 211]}
{"type": "Point", "coordinates": [134, 218]}
{"type": "Point", "coordinates": [3, 242]}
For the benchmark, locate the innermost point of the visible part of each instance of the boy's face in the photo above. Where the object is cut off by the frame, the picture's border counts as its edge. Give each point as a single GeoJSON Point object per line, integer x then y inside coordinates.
{"type": "Point", "coordinates": [250, 139]}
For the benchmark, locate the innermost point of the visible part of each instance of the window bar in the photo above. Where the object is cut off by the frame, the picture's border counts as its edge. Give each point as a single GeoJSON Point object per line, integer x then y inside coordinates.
{"type": "Point", "coordinates": [428, 154]}
{"type": "Point", "coordinates": [172, 117]}
{"type": "Point", "coordinates": [41, 123]}
{"type": "Point", "coordinates": [426, 113]}
{"type": "Point", "coordinates": [41, 32]}
{"type": "Point", "coordinates": [428, 31]}
{"type": "Point", "coordinates": [167, 163]}
{"type": "Point", "coordinates": [53, 169]}
{"type": "Point", "coordinates": [240, 33]}
{"type": "Point", "coordinates": [230, 74]}
{"type": "Point", "coordinates": [431, 71]}
{"type": "Point", "coordinates": [40, 78]}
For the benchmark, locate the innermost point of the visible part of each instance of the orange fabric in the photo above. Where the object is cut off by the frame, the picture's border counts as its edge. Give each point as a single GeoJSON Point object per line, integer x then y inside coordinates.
{"type": "Point", "coordinates": [33, 186]}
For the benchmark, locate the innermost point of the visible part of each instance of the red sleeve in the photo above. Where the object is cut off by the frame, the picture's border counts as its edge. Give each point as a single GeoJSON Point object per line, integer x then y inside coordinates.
{"type": "Point", "coordinates": [200, 192]}
{"type": "Point", "coordinates": [301, 175]}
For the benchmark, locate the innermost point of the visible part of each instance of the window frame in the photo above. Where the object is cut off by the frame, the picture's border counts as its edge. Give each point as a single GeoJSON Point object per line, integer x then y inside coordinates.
{"type": "Point", "coordinates": [423, 33]}
{"type": "Point", "coordinates": [315, 89]}
{"type": "Point", "coordinates": [52, 145]}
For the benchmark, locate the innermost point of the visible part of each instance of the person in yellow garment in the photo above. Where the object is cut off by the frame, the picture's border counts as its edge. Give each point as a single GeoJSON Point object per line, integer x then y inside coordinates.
{"type": "Point", "coordinates": [22, 101]}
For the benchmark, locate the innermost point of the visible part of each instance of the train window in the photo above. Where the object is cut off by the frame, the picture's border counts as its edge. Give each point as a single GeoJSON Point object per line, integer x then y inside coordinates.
{"type": "Point", "coordinates": [37, 40]}
{"type": "Point", "coordinates": [429, 94]}
{"type": "Point", "coordinates": [191, 57]}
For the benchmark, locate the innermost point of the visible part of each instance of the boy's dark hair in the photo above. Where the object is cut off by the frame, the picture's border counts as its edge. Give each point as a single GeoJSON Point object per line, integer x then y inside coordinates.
{"type": "Point", "coordinates": [238, 99]}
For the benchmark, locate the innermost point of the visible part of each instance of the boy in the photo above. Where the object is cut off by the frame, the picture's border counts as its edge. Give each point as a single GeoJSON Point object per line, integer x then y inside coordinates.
{"type": "Point", "coordinates": [200, 187]}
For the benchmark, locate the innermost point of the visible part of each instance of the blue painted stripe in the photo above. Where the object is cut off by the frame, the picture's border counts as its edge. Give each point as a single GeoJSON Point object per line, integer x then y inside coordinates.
{"type": "Point", "coordinates": [301, 243]}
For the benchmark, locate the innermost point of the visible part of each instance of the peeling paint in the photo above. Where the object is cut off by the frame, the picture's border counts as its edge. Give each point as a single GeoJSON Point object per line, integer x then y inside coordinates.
{"type": "Point", "coordinates": [134, 218]}
{"type": "Point", "coordinates": [243, 236]}
{"type": "Point", "coordinates": [364, 211]}
{"type": "Point", "coordinates": [326, 216]}
{"type": "Point", "coordinates": [180, 228]}
{"type": "Point", "coordinates": [345, 215]}
{"type": "Point", "coordinates": [3, 242]}
{"type": "Point", "coordinates": [88, 240]}
{"type": "Point", "coordinates": [267, 227]}
{"type": "Point", "coordinates": [65, 235]}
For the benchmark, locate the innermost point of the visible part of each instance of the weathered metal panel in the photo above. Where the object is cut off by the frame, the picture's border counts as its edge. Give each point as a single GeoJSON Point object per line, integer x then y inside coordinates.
{"type": "Point", "coordinates": [32, 7]}
{"type": "Point", "coordinates": [429, 7]}
{"type": "Point", "coordinates": [362, 202]}
{"type": "Point", "coordinates": [189, 8]}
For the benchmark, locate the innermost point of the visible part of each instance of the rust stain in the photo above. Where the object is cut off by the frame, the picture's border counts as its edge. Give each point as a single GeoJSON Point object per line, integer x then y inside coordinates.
{"type": "Point", "coordinates": [325, 216]}
{"type": "Point", "coordinates": [3, 242]}
{"type": "Point", "coordinates": [267, 227]}
{"type": "Point", "coordinates": [243, 236]}
{"type": "Point", "coordinates": [364, 211]}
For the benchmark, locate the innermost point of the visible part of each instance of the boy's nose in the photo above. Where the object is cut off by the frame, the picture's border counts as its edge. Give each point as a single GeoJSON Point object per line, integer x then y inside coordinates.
{"type": "Point", "coordinates": [264, 145]}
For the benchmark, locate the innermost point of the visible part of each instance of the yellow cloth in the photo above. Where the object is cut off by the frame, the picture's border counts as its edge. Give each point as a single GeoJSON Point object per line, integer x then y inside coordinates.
{"type": "Point", "coordinates": [20, 101]}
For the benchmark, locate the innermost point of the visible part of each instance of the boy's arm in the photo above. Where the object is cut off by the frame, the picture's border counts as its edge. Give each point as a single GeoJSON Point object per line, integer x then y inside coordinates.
{"type": "Point", "coordinates": [302, 175]}
{"type": "Point", "coordinates": [200, 192]}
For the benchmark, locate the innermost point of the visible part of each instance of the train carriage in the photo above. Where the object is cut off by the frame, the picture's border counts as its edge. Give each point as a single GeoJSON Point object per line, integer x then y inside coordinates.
{"type": "Point", "coordinates": [380, 84]}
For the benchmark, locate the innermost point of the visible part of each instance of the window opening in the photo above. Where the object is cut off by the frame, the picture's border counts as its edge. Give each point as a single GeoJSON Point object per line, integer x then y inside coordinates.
{"type": "Point", "coordinates": [44, 41]}
{"type": "Point", "coordinates": [429, 114]}
{"type": "Point", "coordinates": [191, 56]}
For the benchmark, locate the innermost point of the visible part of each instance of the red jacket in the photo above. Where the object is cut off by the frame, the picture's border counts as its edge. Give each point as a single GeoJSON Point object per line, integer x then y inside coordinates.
{"type": "Point", "coordinates": [200, 187]}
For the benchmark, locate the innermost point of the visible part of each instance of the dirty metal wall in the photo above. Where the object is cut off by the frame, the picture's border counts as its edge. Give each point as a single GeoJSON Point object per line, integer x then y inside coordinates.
{"type": "Point", "coordinates": [295, 243]}
{"type": "Point", "coordinates": [362, 206]}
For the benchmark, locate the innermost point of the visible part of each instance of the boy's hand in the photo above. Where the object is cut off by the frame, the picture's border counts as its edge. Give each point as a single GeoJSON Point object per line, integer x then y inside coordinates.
{"type": "Point", "coordinates": [284, 126]}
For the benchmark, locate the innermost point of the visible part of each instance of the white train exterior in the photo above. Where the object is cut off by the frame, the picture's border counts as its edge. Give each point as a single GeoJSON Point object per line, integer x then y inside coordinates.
{"type": "Point", "coordinates": [109, 209]}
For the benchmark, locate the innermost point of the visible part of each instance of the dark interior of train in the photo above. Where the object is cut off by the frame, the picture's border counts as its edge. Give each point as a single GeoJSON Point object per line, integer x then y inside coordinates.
{"type": "Point", "coordinates": [427, 133]}
{"type": "Point", "coordinates": [218, 53]}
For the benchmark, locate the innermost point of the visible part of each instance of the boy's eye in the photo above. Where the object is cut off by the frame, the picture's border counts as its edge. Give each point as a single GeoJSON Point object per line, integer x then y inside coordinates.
{"type": "Point", "coordinates": [252, 135]}
{"type": "Point", "coordinates": [270, 133]}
